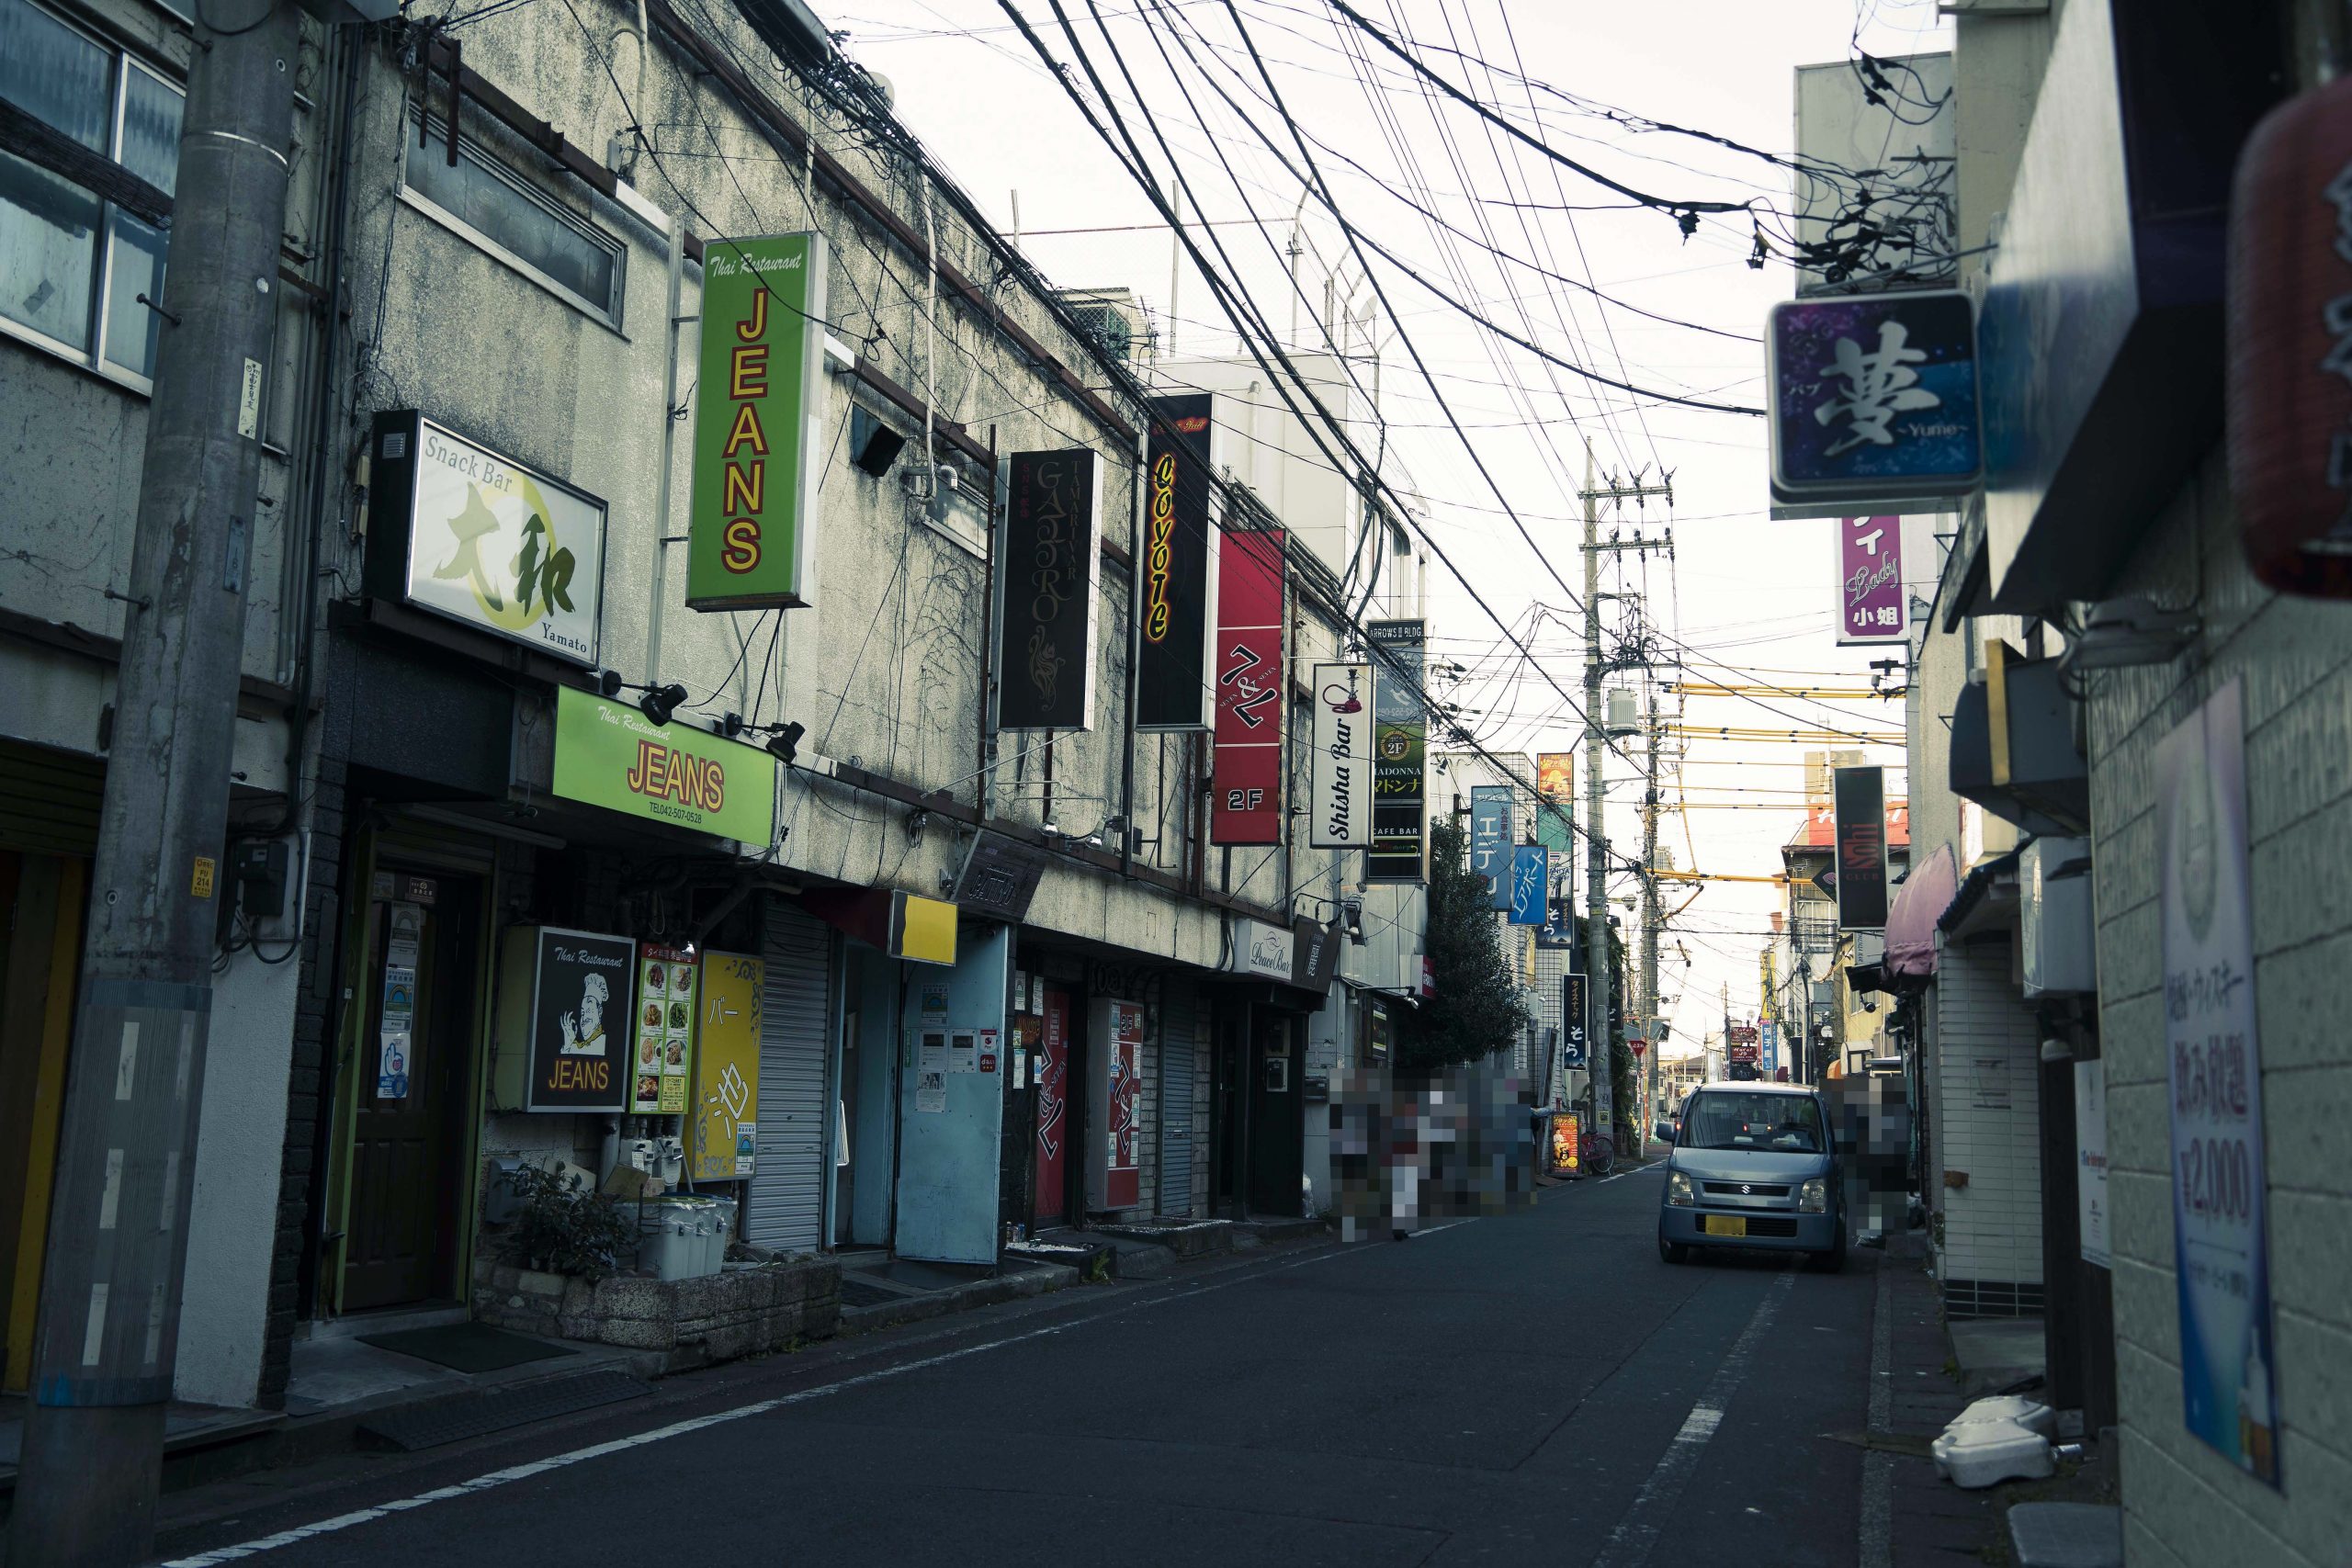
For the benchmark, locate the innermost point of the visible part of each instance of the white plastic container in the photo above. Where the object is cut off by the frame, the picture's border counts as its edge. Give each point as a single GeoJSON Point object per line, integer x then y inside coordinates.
{"type": "Point", "coordinates": [674, 1237]}
{"type": "Point", "coordinates": [1977, 1454]}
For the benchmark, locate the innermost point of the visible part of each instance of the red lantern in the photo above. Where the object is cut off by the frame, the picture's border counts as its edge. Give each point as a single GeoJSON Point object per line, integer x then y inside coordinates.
{"type": "Point", "coordinates": [2289, 390]}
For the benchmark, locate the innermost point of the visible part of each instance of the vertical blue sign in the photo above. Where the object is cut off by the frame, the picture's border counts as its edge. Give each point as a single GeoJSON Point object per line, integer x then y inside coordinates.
{"type": "Point", "coordinates": [1490, 840]}
{"type": "Point", "coordinates": [1530, 873]}
{"type": "Point", "coordinates": [1768, 1032]}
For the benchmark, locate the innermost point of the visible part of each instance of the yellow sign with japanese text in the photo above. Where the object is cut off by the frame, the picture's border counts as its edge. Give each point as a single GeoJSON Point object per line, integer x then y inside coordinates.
{"type": "Point", "coordinates": [721, 1144]}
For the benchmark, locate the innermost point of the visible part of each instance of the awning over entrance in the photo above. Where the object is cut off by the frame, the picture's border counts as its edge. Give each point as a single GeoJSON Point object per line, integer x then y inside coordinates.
{"type": "Point", "coordinates": [1911, 923]}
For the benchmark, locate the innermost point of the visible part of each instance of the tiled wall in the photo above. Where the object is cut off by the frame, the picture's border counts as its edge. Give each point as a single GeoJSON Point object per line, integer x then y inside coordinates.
{"type": "Point", "coordinates": [2183, 1503]}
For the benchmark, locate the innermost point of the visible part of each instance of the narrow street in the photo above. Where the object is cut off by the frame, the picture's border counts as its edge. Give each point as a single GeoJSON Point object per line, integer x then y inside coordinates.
{"type": "Point", "coordinates": [1539, 1387]}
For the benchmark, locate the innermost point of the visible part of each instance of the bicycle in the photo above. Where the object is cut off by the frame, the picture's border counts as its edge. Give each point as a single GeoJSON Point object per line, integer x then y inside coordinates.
{"type": "Point", "coordinates": [1596, 1153]}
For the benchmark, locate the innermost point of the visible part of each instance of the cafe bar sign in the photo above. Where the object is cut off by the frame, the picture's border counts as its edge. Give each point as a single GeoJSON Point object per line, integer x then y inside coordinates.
{"type": "Point", "coordinates": [470, 534]}
{"type": "Point", "coordinates": [757, 399]}
{"type": "Point", "coordinates": [611, 755]}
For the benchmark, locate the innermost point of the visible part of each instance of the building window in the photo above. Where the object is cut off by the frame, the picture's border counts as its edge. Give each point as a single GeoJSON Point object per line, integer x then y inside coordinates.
{"type": "Point", "coordinates": [72, 265]}
{"type": "Point", "coordinates": [514, 223]}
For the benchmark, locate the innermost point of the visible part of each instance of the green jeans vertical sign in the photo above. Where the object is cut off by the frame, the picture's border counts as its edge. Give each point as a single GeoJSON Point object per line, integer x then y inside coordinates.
{"type": "Point", "coordinates": [756, 401]}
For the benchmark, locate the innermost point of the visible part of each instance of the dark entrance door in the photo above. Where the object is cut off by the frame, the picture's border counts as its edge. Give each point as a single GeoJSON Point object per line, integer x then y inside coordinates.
{"type": "Point", "coordinates": [1277, 1131]}
{"type": "Point", "coordinates": [408, 1161]}
{"type": "Point", "coordinates": [1056, 1091]}
{"type": "Point", "coordinates": [1228, 1069]}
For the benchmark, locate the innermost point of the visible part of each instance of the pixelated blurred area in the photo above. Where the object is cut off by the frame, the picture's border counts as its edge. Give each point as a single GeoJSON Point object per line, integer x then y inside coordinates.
{"type": "Point", "coordinates": [1872, 1120]}
{"type": "Point", "coordinates": [1406, 1152]}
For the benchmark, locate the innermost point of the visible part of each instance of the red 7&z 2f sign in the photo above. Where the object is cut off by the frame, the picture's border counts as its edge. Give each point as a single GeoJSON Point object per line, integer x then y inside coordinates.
{"type": "Point", "coordinates": [1251, 675]}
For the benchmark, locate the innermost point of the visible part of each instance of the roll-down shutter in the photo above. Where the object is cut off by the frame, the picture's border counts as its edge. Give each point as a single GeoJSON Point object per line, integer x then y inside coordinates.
{"type": "Point", "coordinates": [1177, 1049]}
{"type": "Point", "coordinates": [787, 1197]}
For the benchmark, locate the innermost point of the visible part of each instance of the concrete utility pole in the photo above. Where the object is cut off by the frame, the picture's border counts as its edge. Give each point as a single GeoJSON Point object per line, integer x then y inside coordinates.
{"type": "Point", "coordinates": [109, 1326]}
{"type": "Point", "coordinates": [1603, 1048]}
{"type": "Point", "coordinates": [1649, 933]}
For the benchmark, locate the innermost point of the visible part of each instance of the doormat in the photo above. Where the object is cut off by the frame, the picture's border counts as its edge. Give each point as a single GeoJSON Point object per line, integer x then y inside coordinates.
{"type": "Point", "coordinates": [466, 1347]}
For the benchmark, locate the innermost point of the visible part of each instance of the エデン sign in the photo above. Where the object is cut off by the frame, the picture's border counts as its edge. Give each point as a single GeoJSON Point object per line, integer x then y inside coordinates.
{"type": "Point", "coordinates": [756, 402]}
{"type": "Point", "coordinates": [613, 756]}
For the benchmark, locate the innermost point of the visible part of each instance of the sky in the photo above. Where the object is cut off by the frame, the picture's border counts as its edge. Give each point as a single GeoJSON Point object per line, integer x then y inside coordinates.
{"type": "Point", "coordinates": [1748, 601]}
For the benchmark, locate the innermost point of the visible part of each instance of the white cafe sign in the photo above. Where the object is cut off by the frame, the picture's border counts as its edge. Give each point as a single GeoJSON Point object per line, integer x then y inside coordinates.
{"type": "Point", "coordinates": [1267, 951]}
{"type": "Point", "coordinates": [504, 547]}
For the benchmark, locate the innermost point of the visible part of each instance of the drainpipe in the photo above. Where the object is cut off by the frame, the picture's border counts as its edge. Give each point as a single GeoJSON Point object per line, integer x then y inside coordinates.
{"type": "Point", "coordinates": [662, 539]}
{"type": "Point", "coordinates": [1135, 649]}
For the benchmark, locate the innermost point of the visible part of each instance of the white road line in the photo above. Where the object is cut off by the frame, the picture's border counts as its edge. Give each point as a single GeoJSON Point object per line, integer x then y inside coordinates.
{"type": "Point", "coordinates": [680, 1428]}
{"type": "Point", "coordinates": [1636, 1170]}
{"type": "Point", "coordinates": [1629, 1545]}
{"type": "Point", "coordinates": [1878, 1466]}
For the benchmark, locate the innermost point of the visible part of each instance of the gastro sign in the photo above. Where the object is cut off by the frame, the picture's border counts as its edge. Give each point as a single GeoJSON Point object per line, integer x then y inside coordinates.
{"type": "Point", "coordinates": [756, 405]}
{"type": "Point", "coordinates": [1251, 679]}
{"type": "Point", "coordinates": [1874, 397]}
{"type": "Point", "coordinates": [613, 756]}
{"type": "Point", "coordinates": [466, 533]}
{"type": "Point", "coordinates": [1179, 566]}
{"type": "Point", "coordinates": [1400, 735]}
{"type": "Point", "coordinates": [1340, 772]}
{"type": "Point", "coordinates": [1052, 571]}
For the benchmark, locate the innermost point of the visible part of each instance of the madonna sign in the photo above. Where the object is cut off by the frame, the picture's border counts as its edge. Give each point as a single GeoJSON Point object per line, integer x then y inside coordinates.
{"type": "Point", "coordinates": [1874, 400]}
{"type": "Point", "coordinates": [1251, 687]}
{"type": "Point", "coordinates": [1399, 737]}
{"type": "Point", "coordinates": [1179, 568]}
{"type": "Point", "coordinates": [477, 537]}
{"type": "Point", "coordinates": [1338, 817]}
{"type": "Point", "coordinates": [1052, 571]}
{"type": "Point", "coordinates": [756, 405]}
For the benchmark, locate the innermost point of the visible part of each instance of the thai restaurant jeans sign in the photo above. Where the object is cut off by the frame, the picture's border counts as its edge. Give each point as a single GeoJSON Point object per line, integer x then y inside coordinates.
{"type": "Point", "coordinates": [613, 756]}
{"type": "Point", "coordinates": [756, 402]}
{"type": "Point", "coordinates": [470, 534]}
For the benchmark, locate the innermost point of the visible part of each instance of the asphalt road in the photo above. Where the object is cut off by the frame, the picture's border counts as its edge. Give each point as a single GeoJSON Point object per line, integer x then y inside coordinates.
{"type": "Point", "coordinates": [1538, 1388]}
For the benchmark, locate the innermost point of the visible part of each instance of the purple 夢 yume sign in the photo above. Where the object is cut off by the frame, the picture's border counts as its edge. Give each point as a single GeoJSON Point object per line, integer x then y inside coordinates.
{"type": "Point", "coordinates": [1870, 580]}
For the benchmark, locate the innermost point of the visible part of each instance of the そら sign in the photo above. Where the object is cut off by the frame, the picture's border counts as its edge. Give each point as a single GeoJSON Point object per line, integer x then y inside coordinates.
{"type": "Point", "coordinates": [615, 757]}
{"type": "Point", "coordinates": [756, 405]}
{"type": "Point", "coordinates": [1246, 807]}
{"type": "Point", "coordinates": [478, 538]}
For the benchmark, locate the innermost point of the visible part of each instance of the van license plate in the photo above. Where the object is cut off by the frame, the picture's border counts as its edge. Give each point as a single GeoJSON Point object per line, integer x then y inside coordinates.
{"type": "Point", "coordinates": [1725, 1225]}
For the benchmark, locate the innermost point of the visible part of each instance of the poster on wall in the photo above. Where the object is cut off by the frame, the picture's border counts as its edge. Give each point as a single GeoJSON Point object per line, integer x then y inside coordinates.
{"type": "Point", "coordinates": [757, 400]}
{"type": "Point", "coordinates": [664, 1030]}
{"type": "Point", "coordinates": [396, 1020]}
{"type": "Point", "coordinates": [2220, 1189]}
{"type": "Point", "coordinates": [574, 996]}
{"type": "Point", "coordinates": [470, 534]}
{"type": "Point", "coordinates": [1870, 604]}
{"type": "Point", "coordinates": [1339, 815]}
{"type": "Point", "coordinates": [1180, 566]}
{"type": "Point", "coordinates": [1114, 1076]}
{"type": "Point", "coordinates": [1490, 847]}
{"type": "Point", "coordinates": [723, 1142]}
{"type": "Point", "coordinates": [1400, 732]}
{"type": "Point", "coordinates": [1050, 586]}
{"type": "Point", "coordinates": [1251, 681]}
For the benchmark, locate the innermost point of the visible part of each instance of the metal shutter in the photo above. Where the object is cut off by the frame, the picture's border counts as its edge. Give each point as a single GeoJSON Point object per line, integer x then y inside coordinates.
{"type": "Point", "coordinates": [49, 800]}
{"type": "Point", "coordinates": [788, 1199]}
{"type": "Point", "coordinates": [1177, 1050]}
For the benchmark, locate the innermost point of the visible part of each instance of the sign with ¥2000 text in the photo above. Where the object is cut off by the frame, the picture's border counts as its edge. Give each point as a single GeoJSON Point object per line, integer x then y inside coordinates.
{"type": "Point", "coordinates": [610, 755]}
{"type": "Point", "coordinates": [478, 538]}
{"type": "Point", "coordinates": [757, 399]}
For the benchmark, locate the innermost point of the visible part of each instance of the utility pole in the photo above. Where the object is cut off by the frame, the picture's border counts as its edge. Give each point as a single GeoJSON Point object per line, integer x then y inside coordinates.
{"type": "Point", "coordinates": [1604, 1053]}
{"type": "Point", "coordinates": [108, 1332]}
{"type": "Point", "coordinates": [1649, 931]}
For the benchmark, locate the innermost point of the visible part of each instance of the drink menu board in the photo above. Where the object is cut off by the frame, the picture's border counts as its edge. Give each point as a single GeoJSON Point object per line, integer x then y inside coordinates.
{"type": "Point", "coordinates": [664, 1049]}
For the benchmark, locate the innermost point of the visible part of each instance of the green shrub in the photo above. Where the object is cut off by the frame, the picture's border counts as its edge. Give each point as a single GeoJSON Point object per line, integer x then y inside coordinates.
{"type": "Point", "coordinates": [566, 1227]}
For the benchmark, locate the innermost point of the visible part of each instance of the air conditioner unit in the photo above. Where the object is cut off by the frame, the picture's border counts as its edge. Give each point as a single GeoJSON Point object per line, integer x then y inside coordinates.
{"type": "Point", "coordinates": [2057, 939]}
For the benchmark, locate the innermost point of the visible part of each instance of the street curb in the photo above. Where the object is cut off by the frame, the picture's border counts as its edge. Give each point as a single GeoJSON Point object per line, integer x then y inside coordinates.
{"type": "Point", "coordinates": [1035, 1279]}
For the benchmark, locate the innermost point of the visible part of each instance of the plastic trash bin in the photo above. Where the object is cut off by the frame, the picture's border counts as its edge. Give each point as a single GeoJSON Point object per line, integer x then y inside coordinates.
{"type": "Point", "coordinates": [722, 1229]}
{"type": "Point", "coordinates": [673, 1236]}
